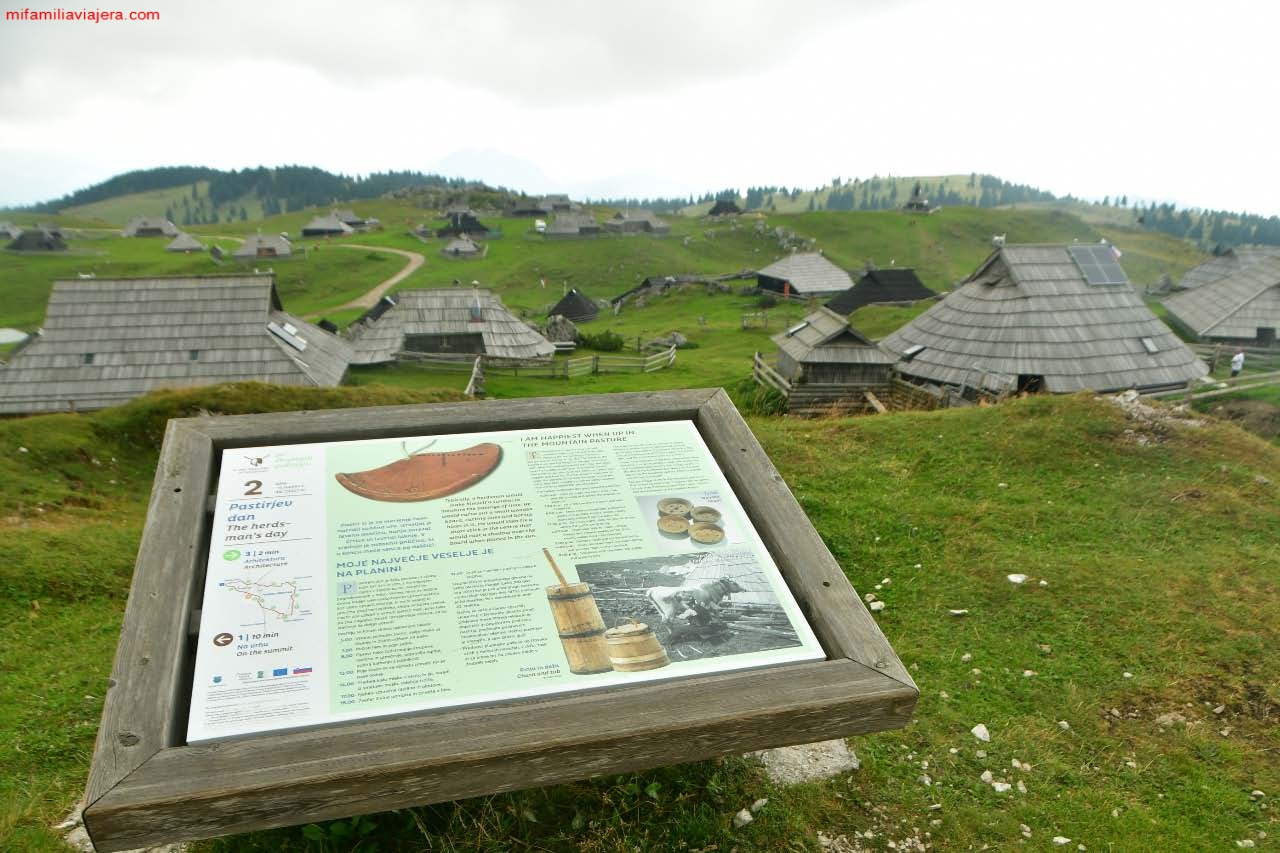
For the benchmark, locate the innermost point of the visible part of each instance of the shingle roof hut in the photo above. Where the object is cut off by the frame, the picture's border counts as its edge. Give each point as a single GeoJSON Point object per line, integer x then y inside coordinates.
{"type": "Point", "coordinates": [575, 306]}
{"type": "Point", "coordinates": [9, 231]}
{"type": "Point", "coordinates": [327, 226]}
{"type": "Point", "coordinates": [461, 247]}
{"type": "Point", "coordinates": [454, 321]}
{"type": "Point", "coordinates": [145, 226]}
{"type": "Point", "coordinates": [463, 223]}
{"type": "Point", "coordinates": [636, 220]}
{"type": "Point", "coordinates": [263, 246]}
{"type": "Point", "coordinates": [1055, 318]}
{"type": "Point", "coordinates": [577, 224]}
{"type": "Point", "coordinates": [1242, 307]}
{"type": "Point", "coordinates": [824, 349]}
{"type": "Point", "coordinates": [804, 274]}
{"type": "Point", "coordinates": [1225, 264]}
{"type": "Point", "coordinates": [184, 243]}
{"type": "Point", "coordinates": [37, 240]}
{"type": "Point", "coordinates": [349, 217]}
{"type": "Point", "coordinates": [106, 341]}
{"type": "Point", "coordinates": [526, 207]}
{"type": "Point", "coordinates": [892, 286]}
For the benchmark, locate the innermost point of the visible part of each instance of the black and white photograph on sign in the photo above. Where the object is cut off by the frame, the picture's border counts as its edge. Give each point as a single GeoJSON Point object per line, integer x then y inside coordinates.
{"type": "Point", "coordinates": [697, 604]}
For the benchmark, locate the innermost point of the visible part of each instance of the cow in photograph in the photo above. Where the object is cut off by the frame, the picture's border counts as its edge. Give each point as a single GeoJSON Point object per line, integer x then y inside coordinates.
{"type": "Point", "coordinates": [694, 603]}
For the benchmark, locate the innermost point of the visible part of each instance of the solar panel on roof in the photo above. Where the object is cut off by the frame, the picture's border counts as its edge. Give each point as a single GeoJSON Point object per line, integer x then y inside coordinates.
{"type": "Point", "coordinates": [1099, 264]}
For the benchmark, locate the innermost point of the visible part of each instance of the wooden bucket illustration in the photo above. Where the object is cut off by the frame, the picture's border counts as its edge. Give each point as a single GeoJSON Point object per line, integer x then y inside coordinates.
{"type": "Point", "coordinates": [635, 648]}
{"type": "Point", "coordinates": [579, 624]}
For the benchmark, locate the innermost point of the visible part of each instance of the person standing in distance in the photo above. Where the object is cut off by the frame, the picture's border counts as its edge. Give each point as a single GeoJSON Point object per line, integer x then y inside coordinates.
{"type": "Point", "coordinates": [1237, 363]}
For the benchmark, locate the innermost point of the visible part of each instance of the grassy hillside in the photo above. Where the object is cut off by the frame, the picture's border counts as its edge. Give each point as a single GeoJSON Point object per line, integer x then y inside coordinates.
{"type": "Point", "coordinates": [1162, 573]}
{"type": "Point", "coordinates": [944, 248]}
{"type": "Point", "coordinates": [119, 210]}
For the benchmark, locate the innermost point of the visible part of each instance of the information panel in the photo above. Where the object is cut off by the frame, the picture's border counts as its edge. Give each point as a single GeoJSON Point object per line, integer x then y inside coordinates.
{"type": "Point", "coordinates": [358, 579]}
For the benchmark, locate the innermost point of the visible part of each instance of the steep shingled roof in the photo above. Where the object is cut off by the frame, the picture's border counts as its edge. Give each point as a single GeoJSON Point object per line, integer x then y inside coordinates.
{"type": "Point", "coordinates": [263, 246]}
{"type": "Point", "coordinates": [377, 339]}
{"type": "Point", "coordinates": [809, 273]}
{"type": "Point", "coordinates": [575, 306]}
{"type": "Point", "coordinates": [184, 243]}
{"type": "Point", "coordinates": [824, 337]}
{"type": "Point", "coordinates": [1029, 311]}
{"type": "Point", "coordinates": [106, 341]}
{"type": "Point", "coordinates": [879, 287]}
{"type": "Point", "coordinates": [1235, 305]}
{"type": "Point", "coordinates": [150, 226]}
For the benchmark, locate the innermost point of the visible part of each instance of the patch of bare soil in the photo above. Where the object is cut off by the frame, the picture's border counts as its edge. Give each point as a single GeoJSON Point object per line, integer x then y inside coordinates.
{"type": "Point", "coordinates": [1257, 416]}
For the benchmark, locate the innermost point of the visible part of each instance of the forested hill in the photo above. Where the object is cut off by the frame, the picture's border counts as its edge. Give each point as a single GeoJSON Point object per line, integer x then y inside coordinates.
{"type": "Point", "coordinates": [278, 189]}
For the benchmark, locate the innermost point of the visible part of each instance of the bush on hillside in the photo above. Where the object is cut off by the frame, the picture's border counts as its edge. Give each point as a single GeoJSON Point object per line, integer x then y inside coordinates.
{"type": "Point", "coordinates": [606, 341]}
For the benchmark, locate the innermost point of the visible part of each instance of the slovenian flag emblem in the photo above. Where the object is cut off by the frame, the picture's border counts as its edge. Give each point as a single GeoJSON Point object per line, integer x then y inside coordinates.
{"type": "Point", "coordinates": [302, 670]}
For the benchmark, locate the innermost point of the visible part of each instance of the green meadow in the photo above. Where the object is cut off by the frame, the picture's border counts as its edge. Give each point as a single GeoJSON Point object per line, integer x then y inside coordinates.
{"type": "Point", "coordinates": [1152, 636]}
{"type": "Point", "coordinates": [1146, 625]}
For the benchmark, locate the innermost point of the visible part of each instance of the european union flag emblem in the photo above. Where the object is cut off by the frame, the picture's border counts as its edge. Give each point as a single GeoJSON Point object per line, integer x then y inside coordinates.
{"type": "Point", "coordinates": [284, 671]}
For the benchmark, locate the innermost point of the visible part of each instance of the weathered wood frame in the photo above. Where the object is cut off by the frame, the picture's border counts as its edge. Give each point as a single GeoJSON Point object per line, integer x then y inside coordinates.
{"type": "Point", "coordinates": [147, 786]}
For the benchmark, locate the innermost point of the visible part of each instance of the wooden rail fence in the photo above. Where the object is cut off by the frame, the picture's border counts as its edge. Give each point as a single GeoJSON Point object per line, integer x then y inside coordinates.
{"type": "Point", "coordinates": [565, 368]}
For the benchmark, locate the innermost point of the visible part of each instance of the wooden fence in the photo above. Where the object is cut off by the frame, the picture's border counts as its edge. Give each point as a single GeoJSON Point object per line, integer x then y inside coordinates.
{"type": "Point", "coordinates": [1222, 387]}
{"type": "Point", "coordinates": [565, 368]}
{"type": "Point", "coordinates": [764, 374]}
{"type": "Point", "coordinates": [1255, 358]}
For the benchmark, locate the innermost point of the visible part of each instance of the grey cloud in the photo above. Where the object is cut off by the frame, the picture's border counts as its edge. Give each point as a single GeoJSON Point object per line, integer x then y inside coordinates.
{"type": "Point", "coordinates": [547, 53]}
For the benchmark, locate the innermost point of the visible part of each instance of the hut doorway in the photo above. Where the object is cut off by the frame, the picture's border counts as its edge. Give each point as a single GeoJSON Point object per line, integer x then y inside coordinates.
{"type": "Point", "coordinates": [1029, 383]}
{"type": "Point", "coordinates": [1266, 336]}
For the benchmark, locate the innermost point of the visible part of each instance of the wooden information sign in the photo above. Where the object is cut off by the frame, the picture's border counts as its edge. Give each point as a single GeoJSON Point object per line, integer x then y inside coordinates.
{"type": "Point", "coordinates": [347, 611]}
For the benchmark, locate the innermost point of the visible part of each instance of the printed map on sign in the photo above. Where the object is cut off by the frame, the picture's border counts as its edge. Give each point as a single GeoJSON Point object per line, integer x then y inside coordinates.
{"type": "Point", "coordinates": [267, 601]}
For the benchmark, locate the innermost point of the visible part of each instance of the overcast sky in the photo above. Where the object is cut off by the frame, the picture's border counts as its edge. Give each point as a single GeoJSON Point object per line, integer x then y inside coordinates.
{"type": "Point", "coordinates": [1158, 100]}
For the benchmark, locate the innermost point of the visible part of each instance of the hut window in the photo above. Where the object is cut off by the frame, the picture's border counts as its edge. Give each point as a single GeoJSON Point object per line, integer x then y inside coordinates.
{"type": "Point", "coordinates": [193, 355]}
{"type": "Point", "coordinates": [1150, 346]}
{"type": "Point", "coordinates": [912, 351]}
{"type": "Point", "coordinates": [88, 358]}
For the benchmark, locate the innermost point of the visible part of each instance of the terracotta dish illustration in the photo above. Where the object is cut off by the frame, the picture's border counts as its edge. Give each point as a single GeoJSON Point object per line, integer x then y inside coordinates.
{"type": "Point", "coordinates": [425, 476]}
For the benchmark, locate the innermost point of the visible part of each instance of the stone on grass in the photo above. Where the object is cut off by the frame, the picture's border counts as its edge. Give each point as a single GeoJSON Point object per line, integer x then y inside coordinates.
{"type": "Point", "coordinates": [1064, 725]}
{"type": "Point", "coordinates": [1061, 840]}
{"type": "Point", "coordinates": [759, 804]}
{"type": "Point", "coordinates": [809, 762]}
{"type": "Point", "coordinates": [1000, 787]}
{"type": "Point", "coordinates": [966, 657]}
{"type": "Point", "coordinates": [1022, 787]}
{"type": "Point", "coordinates": [1256, 794]}
{"type": "Point", "coordinates": [876, 606]}
{"type": "Point", "coordinates": [1245, 842]}
{"type": "Point", "coordinates": [981, 733]}
{"type": "Point", "coordinates": [1017, 578]}
{"type": "Point", "coordinates": [986, 777]}
{"type": "Point", "coordinates": [958, 612]}
{"type": "Point", "coordinates": [741, 819]}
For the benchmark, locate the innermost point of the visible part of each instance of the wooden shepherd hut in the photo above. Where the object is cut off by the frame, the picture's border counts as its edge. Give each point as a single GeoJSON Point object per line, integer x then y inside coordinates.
{"type": "Point", "coordinates": [462, 248]}
{"type": "Point", "coordinates": [37, 240]}
{"type": "Point", "coordinates": [326, 226]}
{"type": "Point", "coordinates": [184, 243]}
{"type": "Point", "coordinates": [636, 221]}
{"type": "Point", "coordinates": [803, 275]}
{"type": "Point", "coordinates": [263, 246]}
{"type": "Point", "coordinates": [106, 341]}
{"type": "Point", "coordinates": [9, 231]}
{"type": "Point", "coordinates": [823, 349]}
{"type": "Point", "coordinates": [1226, 263]}
{"type": "Point", "coordinates": [892, 286]}
{"type": "Point", "coordinates": [463, 224]}
{"type": "Point", "coordinates": [575, 306]}
{"type": "Point", "coordinates": [448, 322]}
{"type": "Point", "coordinates": [576, 224]}
{"type": "Point", "coordinates": [1241, 308]}
{"type": "Point", "coordinates": [146, 226]}
{"type": "Point", "coordinates": [1044, 318]}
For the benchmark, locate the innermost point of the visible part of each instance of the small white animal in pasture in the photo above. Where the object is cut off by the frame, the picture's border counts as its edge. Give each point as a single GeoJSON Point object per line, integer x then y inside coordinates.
{"type": "Point", "coordinates": [673, 602]}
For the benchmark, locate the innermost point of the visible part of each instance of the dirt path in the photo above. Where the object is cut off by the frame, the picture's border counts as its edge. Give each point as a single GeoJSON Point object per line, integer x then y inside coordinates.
{"type": "Point", "coordinates": [371, 298]}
